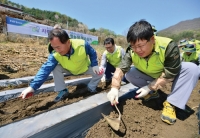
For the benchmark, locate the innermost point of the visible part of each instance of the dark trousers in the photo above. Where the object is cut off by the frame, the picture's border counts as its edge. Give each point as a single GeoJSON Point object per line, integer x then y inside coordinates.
{"type": "Point", "coordinates": [111, 69]}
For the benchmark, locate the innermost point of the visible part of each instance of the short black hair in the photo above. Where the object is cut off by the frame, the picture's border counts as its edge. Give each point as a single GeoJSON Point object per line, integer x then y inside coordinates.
{"type": "Point", "coordinates": [141, 30]}
{"type": "Point", "coordinates": [109, 41]}
{"type": "Point", "coordinates": [61, 34]}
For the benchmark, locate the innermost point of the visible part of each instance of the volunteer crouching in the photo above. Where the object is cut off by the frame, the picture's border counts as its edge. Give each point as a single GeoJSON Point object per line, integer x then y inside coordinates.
{"type": "Point", "coordinates": [156, 62]}
{"type": "Point", "coordinates": [69, 56]}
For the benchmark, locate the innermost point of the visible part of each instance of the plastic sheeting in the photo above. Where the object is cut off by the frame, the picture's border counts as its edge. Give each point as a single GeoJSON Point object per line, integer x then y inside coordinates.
{"type": "Point", "coordinates": [68, 121]}
{"type": "Point", "coordinates": [23, 80]}
{"type": "Point", "coordinates": [10, 94]}
{"type": "Point", "coordinates": [18, 81]}
{"type": "Point", "coordinates": [7, 82]}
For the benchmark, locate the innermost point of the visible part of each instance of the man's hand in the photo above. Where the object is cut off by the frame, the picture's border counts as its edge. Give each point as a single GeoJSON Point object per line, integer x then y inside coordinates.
{"type": "Point", "coordinates": [98, 70]}
{"type": "Point", "coordinates": [143, 92]}
{"type": "Point", "coordinates": [113, 96]}
{"type": "Point", "coordinates": [26, 91]}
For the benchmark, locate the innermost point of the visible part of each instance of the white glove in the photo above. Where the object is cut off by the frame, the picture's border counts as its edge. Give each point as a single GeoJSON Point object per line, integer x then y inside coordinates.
{"type": "Point", "coordinates": [98, 70]}
{"type": "Point", "coordinates": [113, 96]}
{"type": "Point", "coordinates": [143, 92]}
{"type": "Point", "coordinates": [95, 69]}
{"type": "Point", "coordinates": [103, 79]}
{"type": "Point", "coordinates": [26, 91]}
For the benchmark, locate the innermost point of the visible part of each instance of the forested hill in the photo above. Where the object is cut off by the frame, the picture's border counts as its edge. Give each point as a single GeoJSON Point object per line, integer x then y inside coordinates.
{"type": "Point", "coordinates": [188, 25]}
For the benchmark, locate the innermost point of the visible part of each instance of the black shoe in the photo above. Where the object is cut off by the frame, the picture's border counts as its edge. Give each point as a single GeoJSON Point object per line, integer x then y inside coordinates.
{"type": "Point", "coordinates": [150, 96]}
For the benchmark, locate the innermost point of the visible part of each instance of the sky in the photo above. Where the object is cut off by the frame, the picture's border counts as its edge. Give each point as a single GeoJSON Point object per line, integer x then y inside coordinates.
{"type": "Point", "coordinates": [119, 15]}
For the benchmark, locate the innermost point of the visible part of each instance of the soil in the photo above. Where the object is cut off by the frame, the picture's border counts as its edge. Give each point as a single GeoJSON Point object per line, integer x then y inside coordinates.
{"type": "Point", "coordinates": [139, 118]}
{"type": "Point", "coordinates": [17, 109]}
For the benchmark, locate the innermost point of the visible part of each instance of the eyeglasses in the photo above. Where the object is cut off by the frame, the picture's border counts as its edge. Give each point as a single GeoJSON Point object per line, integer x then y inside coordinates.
{"type": "Point", "coordinates": [109, 47]}
{"type": "Point", "coordinates": [139, 47]}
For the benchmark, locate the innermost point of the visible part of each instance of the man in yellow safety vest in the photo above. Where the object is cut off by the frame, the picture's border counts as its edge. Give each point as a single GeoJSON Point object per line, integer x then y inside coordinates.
{"type": "Point", "coordinates": [156, 62]}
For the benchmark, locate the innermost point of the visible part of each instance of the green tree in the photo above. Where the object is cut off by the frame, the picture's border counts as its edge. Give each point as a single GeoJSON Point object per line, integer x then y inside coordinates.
{"type": "Point", "coordinates": [4, 1]}
{"type": "Point", "coordinates": [92, 30]}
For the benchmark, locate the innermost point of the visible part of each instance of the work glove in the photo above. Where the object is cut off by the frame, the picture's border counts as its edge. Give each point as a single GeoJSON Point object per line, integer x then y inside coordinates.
{"type": "Point", "coordinates": [142, 92]}
{"type": "Point", "coordinates": [113, 96]}
{"type": "Point", "coordinates": [159, 82]}
{"type": "Point", "coordinates": [26, 91]}
{"type": "Point", "coordinates": [101, 70]}
{"type": "Point", "coordinates": [103, 79]}
{"type": "Point", "coordinates": [97, 70]}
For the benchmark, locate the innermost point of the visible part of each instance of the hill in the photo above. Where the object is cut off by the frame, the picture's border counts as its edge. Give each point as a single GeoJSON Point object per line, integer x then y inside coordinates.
{"type": "Point", "coordinates": [188, 25]}
{"type": "Point", "coordinates": [50, 18]}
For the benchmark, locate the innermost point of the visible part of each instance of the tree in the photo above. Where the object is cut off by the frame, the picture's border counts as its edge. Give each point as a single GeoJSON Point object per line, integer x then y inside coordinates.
{"type": "Point", "coordinates": [92, 30]}
{"type": "Point", "coordinates": [4, 1]}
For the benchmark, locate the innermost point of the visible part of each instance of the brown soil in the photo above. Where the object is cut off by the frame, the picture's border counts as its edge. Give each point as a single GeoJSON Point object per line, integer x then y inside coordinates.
{"type": "Point", "coordinates": [142, 119]}
{"type": "Point", "coordinates": [139, 118]}
{"type": "Point", "coordinates": [17, 109]}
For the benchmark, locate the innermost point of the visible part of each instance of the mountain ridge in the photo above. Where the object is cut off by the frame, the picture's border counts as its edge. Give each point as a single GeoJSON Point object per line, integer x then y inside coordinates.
{"type": "Point", "coordinates": [187, 25]}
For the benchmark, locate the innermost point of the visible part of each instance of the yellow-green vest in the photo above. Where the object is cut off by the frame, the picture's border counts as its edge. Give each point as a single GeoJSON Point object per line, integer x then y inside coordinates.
{"type": "Point", "coordinates": [114, 59]}
{"type": "Point", "coordinates": [193, 56]}
{"type": "Point", "coordinates": [155, 65]}
{"type": "Point", "coordinates": [78, 62]}
{"type": "Point", "coordinates": [191, 42]}
{"type": "Point", "coordinates": [197, 43]}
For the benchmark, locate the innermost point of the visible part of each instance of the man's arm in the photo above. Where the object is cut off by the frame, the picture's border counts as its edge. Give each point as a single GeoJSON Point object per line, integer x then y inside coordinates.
{"type": "Point", "coordinates": [122, 68]}
{"type": "Point", "coordinates": [122, 52]}
{"type": "Point", "coordinates": [126, 61]}
{"type": "Point", "coordinates": [44, 72]}
{"type": "Point", "coordinates": [92, 54]}
{"type": "Point", "coordinates": [172, 66]}
{"type": "Point", "coordinates": [103, 60]}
